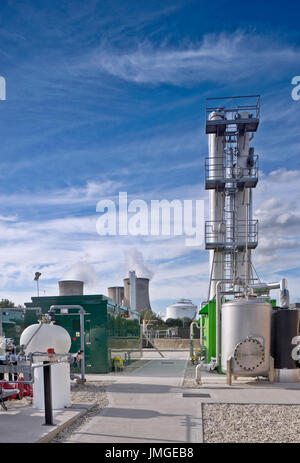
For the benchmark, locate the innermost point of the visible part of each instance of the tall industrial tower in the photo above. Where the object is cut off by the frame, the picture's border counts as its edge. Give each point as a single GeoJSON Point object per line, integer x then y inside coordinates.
{"type": "Point", "coordinates": [231, 171]}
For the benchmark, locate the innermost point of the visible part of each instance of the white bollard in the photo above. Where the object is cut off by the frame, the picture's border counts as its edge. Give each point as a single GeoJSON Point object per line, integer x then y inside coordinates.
{"type": "Point", "coordinates": [198, 373]}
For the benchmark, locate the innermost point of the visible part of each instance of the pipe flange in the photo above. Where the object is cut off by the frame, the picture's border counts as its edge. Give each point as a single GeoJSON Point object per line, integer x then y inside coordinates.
{"type": "Point", "coordinates": [249, 354]}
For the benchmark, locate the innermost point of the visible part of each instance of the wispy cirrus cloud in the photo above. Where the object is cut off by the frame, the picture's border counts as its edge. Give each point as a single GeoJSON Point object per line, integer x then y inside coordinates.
{"type": "Point", "coordinates": [218, 57]}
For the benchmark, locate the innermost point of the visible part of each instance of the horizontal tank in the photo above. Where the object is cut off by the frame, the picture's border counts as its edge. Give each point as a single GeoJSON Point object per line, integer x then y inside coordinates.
{"type": "Point", "coordinates": [181, 309]}
{"type": "Point", "coordinates": [246, 337]}
{"type": "Point", "coordinates": [42, 336]}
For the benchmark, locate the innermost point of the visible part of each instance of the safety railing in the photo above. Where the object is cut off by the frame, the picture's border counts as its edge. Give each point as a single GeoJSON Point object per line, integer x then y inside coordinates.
{"type": "Point", "coordinates": [232, 106]}
{"type": "Point", "coordinates": [242, 111]}
{"type": "Point", "coordinates": [218, 171]}
{"type": "Point", "coordinates": [219, 234]}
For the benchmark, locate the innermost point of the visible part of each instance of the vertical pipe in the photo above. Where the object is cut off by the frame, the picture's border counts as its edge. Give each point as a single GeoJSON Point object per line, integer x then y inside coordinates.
{"type": "Point", "coordinates": [201, 328]}
{"type": "Point", "coordinates": [218, 310]}
{"type": "Point", "coordinates": [47, 394]}
{"type": "Point", "coordinates": [243, 210]}
{"type": "Point", "coordinates": [216, 202]}
{"type": "Point", "coordinates": [82, 344]}
{"type": "Point", "coordinates": [192, 337]}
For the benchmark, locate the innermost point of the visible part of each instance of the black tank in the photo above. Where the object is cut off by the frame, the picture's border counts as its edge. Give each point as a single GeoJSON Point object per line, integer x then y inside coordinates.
{"type": "Point", "coordinates": [285, 326]}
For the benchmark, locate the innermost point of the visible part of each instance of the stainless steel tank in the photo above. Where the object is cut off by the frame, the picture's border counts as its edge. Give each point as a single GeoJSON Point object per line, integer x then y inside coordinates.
{"type": "Point", "coordinates": [246, 337]}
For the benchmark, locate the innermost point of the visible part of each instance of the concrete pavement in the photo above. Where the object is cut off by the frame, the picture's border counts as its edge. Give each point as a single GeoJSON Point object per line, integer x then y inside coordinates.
{"type": "Point", "coordinates": [26, 424]}
{"type": "Point", "coordinates": [150, 405]}
{"type": "Point", "coordinates": [146, 406]}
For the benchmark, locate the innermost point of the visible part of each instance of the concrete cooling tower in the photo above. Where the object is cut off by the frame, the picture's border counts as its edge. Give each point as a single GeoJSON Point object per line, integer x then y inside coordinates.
{"type": "Point", "coordinates": [142, 293]}
{"type": "Point", "coordinates": [116, 293]}
{"type": "Point", "coordinates": [70, 288]}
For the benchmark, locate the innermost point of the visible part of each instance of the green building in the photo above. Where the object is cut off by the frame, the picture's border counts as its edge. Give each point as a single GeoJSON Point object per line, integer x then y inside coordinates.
{"type": "Point", "coordinates": [110, 329]}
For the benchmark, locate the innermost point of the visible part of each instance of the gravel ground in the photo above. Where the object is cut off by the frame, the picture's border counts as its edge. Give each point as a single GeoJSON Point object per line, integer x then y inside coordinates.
{"type": "Point", "coordinates": [251, 423]}
{"type": "Point", "coordinates": [90, 392]}
{"type": "Point", "coordinates": [14, 404]}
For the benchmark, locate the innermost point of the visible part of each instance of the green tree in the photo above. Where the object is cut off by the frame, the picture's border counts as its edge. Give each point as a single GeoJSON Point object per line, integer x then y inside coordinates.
{"type": "Point", "coordinates": [6, 303]}
{"type": "Point", "coordinates": [147, 315]}
{"type": "Point", "coordinates": [186, 321]}
{"type": "Point", "coordinates": [172, 322]}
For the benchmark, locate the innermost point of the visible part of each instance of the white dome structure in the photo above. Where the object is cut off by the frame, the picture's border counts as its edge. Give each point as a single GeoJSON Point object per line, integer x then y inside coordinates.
{"type": "Point", "coordinates": [182, 308]}
{"type": "Point", "coordinates": [47, 336]}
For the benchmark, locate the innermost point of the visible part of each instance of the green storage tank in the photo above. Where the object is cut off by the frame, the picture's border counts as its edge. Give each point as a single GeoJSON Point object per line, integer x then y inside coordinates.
{"type": "Point", "coordinates": [109, 329]}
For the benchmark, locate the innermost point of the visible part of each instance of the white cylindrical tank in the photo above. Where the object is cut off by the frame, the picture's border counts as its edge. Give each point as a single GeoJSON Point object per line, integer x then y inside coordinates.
{"type": "Point", "coordinates": [246, 337]}
{"type": "Point", "coordinates": [40, 338]}
{"type": "Point", "coordinates": [182, 308]}
{"type": "Point", "coordinates": [46, 336]}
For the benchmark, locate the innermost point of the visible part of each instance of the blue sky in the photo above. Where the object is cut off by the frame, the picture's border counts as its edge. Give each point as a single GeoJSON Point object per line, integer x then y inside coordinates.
{"type": "Point", "coordinates": [108, 96]}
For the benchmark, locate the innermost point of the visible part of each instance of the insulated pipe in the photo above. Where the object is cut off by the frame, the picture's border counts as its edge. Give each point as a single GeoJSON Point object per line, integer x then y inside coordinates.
{"type": "Point", "coordinates": [201, 328]}
{"type": "Point", "coordinates": [198, 373]}
{"type": "Point", "coordinates": [243, 209]}
{"type": "Point", "coordinates": [216, 202]}
{"type": "Point", "coordinates": [282, 285]}
{"type": "Point", "coordinates": [192, 337]}
{"type": "Point", "coordinates": [218, 310]}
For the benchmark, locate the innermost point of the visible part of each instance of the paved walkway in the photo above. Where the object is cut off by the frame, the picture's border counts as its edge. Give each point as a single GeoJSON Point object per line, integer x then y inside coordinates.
{"type": "Point", "coordinates": [146, 406]}
{"type": "Point", "coordinates": [150, 405]}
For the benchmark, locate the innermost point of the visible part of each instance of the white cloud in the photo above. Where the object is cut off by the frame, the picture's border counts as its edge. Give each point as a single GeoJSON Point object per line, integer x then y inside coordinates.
{"type": "Point", "coordinates": [223, 57]}
{"type": "Point", "coordinates": [88, 193]}
{"type": "Point", "coordinates": [55, 246]}
{"type": "Point", "coordinates": [277, 207]}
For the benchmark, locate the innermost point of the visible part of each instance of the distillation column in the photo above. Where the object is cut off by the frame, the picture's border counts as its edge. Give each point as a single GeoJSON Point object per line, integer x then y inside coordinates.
{"type": "Point", "coordinates": [216, 203]}
{"type": "Point", "coordinates": [243, 209]}
{"type": "Point", "coordinates": [231, 173]}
